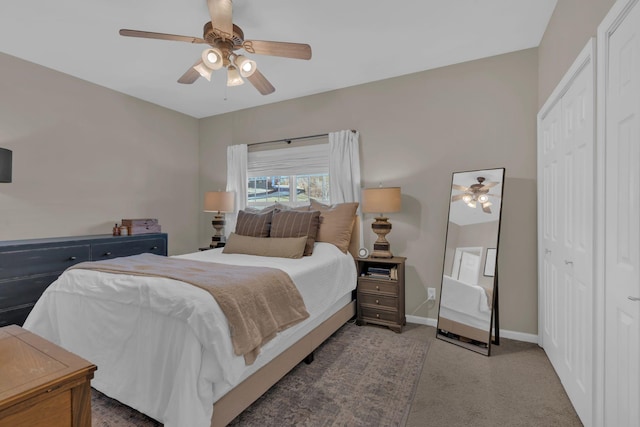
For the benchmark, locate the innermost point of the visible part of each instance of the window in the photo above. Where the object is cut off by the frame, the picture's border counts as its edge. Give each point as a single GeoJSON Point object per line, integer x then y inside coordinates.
{"type": "Point", "coordinates": [289, 176]}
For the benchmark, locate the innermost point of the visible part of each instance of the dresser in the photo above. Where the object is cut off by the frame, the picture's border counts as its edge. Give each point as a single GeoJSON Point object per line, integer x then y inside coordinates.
{"type": "Point", "coordinates": [27, 267]}
{"type": "Point", "coordinates": [380, 297]}
{"type": "Point", "coordinates": [42, 384]}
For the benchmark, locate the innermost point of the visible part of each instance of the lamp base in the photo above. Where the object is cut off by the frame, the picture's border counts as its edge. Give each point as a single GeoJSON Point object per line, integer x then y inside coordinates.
{"type": "Point", "coordinates": [218, 239]}
{"type": "Point", "coordinates": [381, 248]}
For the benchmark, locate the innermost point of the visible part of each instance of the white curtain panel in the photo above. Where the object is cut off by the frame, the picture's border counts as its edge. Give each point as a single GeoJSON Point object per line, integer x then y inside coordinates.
{"type": "Point", "coordinates": [236, 181]}
{"type": "Point", "coordinates": [344, 170]}
{"type": "Point", "coordinates": [344, 166]}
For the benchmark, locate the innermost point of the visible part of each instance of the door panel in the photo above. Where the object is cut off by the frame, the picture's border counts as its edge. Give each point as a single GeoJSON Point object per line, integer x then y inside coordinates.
{"type": "Point", "coordinates": [566, 203]}
{"type": "Point", "coordinates": [622, 228]}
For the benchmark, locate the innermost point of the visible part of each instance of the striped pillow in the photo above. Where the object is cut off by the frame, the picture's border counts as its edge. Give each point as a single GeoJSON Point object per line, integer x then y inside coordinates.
{"type": "Point", "coordinates": [296, 224]}
{"type": "Point", "coordinates": [253, 224]}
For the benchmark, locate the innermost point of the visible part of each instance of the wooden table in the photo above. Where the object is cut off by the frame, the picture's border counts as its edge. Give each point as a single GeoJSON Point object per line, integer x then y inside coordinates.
{"type": "Point", "coordinates": [42, 384]}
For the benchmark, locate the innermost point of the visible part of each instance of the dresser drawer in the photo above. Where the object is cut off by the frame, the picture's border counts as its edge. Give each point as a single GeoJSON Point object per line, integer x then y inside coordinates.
{"type": "Point", "coordinates": [374, 314]}
{"type": "Point", "coordinates": [378, 300]}
{"type": "Point", "coordinates": [388, 287]}
{"type": "Point", "coordinates": [28, 262]}
{"type": "Point", "coordinates": [100, 251]}
{"type": "Point", "coordinates": [24, 290]}
{"type": "Point", "coordinates": [15, 316]}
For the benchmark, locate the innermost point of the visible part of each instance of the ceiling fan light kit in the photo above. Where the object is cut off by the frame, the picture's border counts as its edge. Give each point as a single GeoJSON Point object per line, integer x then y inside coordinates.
{"type": "Point", "coordinates": [246, 66]}
{"type": "Point", "coordinates": [233, 76]}
{"type": "Point", "coordinates": [476, 193]}
{"type": "Point", "coordinates": [213, 58]}
{"type": "Point", "coordinates": [225, 38]}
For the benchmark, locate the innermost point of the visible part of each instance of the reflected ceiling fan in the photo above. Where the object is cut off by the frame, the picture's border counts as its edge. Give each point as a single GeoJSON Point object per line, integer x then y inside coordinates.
{"type": "Point", "coordinates": [225, 38]}
{"type": "Point", "coordinates": [476, 194]}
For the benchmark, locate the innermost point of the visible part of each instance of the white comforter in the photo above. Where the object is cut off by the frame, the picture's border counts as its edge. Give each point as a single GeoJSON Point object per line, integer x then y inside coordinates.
{"type": "Point", "coordinates": [465, 303]}
{"type": "Point", "coordinates": [163, 346]}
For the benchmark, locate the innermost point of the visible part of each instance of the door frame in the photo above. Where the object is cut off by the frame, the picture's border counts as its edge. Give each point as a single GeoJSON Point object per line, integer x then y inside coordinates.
{"type": "Point", "coordinates": [607, 27]}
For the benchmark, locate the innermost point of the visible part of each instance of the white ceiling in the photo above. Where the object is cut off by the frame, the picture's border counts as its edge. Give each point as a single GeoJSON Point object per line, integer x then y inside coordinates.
{"type": "Point", "coordinates": [353, 42]}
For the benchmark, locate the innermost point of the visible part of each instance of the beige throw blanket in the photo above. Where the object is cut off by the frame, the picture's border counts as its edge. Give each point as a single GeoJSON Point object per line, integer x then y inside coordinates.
{"type": "Point", "coordinates": [258, 302]}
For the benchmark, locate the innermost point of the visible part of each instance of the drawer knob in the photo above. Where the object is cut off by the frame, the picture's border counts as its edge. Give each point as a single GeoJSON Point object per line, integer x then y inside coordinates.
{"type": "Point", "coordinates": [377, 288]}
{"type": "Point", "coordinates": [377, 301]}
{"type": "Point", "coordinates": [107, 253]}
{"type": "Point", "coordinates": [72, 258]}
{"type": "Point", "coordinates": [154, 248]}
{"type": "Point", "coordinates": [377, 315]}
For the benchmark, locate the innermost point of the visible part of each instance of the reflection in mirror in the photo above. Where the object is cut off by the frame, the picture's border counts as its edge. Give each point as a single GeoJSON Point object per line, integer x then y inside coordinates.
{"type": "Point", "coordinates": [470, 275]}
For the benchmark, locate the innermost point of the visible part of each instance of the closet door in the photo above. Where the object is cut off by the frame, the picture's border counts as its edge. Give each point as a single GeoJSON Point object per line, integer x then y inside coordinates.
{"type": "Point", "coordinates": [566, 231]}
{"type": "Point", "coordinates": [619, 38]}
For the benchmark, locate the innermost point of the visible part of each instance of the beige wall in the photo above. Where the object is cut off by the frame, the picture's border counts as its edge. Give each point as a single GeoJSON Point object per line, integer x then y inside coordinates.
{"type": "Point", "coordinates": [415, 131]}
{"type": "Point", "coordinates": [85, 157]}
{"type": "Point", "coordinates": [572, 24]}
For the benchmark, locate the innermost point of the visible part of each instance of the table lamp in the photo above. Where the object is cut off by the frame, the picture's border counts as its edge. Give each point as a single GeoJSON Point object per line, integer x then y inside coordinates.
{"type": "Point", "coordinates": [219, 202]}
{"type": "Point", "coordinates": [381, 200]}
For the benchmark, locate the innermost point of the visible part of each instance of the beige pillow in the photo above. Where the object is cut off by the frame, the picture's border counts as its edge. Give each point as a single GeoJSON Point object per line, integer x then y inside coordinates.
{"type": "Point", "coordinates": [296, 224]}
{"type": "Point", "coordinates": [253, 224]}
{"type": "Point", "coordinates": [288, 247]}
{"type": "Point", "coordinates": [336, 223]}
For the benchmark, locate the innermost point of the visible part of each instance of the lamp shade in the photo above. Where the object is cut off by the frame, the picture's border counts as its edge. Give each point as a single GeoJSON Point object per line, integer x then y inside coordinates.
{"type": "Point", "coordinates": [219, 201]}
{"type": "Point", "coordinates": [381, 200]}
{"type": "Point", "coordinates": [6, 159]}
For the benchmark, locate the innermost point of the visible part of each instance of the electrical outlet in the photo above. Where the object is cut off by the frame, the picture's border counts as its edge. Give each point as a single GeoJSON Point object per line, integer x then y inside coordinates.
{"type": "Point", "coordinates": [431, 294]}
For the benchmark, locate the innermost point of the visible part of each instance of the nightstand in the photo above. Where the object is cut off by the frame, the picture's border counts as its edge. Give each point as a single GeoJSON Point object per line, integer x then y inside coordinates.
{"type": "Point", "coordinates": [380, 295]}
{"type": "Point", "coordinates": [206, 248]}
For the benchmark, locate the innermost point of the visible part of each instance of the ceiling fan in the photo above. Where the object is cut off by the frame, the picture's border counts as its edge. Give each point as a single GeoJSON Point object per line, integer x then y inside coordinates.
{"type": "Point", "coordinates": [224, 39]}
{"type": "Point", "coordinates": [476, 193]}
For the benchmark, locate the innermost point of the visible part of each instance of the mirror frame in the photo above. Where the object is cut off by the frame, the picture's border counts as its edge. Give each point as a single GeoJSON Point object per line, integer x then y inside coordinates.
{"type": "Point", "coordinates": [469, 343]}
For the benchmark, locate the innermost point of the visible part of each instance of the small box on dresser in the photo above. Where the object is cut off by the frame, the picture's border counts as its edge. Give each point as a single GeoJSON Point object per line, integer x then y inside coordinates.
{"type": "Point", "coordinates": [142, 226]}
{"type": "Point", "coordinates": [380, 292]}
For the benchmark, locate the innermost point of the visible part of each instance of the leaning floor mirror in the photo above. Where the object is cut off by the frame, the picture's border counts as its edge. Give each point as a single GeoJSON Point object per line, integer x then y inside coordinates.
{"type": "Point", "coordinates": [469, 291]}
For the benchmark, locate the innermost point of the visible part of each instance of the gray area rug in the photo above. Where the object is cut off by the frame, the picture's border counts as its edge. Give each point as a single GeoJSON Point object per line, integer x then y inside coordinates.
{"type": "Point", "coordinates": [361, 376]}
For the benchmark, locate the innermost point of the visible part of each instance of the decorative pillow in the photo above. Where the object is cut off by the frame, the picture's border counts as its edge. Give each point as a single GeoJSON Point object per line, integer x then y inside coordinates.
{"type": "Point", "coordinates": [253, 224]}
{"type": "Point", "coordinates": [288, 247]}
{"type": "Point", "coordinates": [296, 224]}
{"type": "Point", "coordinates": [336, 223]}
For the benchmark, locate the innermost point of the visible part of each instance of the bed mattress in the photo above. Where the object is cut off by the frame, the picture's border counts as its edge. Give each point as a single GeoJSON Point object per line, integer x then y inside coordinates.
{"type": "Point", "coordinates": [163, 346]}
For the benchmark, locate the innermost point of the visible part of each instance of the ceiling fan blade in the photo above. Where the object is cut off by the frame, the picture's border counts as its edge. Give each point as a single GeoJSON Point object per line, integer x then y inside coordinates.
{"type": "Point", "coordinates": [160, 36]}
{"type": "Point", "coordinates": [457, 197]}
{"type": "Point", "coordinates": [459, 187]}
{"type": "Point", "coordinates": [260, 82]}
{"type": "Point", "coordinates": [489, 185]}
{"type": "Point", "coordinates": [191, 75]}
{"type": "Point", "coordinates": [221, 17]}
{"type": "Point", "coordinates": [284, 49]}
{"type": "Point", "coordinates": [486, 209]}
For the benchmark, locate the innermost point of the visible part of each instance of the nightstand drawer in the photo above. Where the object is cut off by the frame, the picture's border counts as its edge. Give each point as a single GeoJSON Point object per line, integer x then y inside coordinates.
{"type": "Point", "coordinates": [378, 286]}
{"type": "Point", "coordinates": [378, 300]}
{"type": "Point", "coordinates": [374, 314]}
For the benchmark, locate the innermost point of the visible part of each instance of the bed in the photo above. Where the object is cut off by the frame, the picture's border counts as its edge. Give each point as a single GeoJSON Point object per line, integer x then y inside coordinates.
{"type": "Point", "coordinates": [465, 309]}
{"type": "Point", "coordinates": [163, 347]}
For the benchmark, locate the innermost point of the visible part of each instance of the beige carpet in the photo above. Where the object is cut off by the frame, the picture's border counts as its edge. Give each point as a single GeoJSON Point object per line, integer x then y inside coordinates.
{"type": "Point", "coordinates": [515, 386]}
{"type": "Point", "coordinates": [362, 376]}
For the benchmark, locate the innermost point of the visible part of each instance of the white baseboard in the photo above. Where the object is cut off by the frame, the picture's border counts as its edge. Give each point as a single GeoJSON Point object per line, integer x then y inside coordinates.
{"type": "Point", "coordinates": [419, 320]}
{"type": "Point", "coordinates": [512, 335]}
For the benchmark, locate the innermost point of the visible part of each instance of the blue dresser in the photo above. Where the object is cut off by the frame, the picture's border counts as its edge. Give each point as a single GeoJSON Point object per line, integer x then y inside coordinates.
{"type": "Point", "coordinates": [27, 267]}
